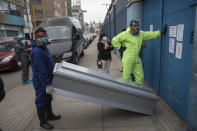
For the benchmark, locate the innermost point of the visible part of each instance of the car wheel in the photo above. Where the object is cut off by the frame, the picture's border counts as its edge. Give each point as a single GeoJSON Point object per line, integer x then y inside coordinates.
{"type": "Point", "coordinates": [75, 59]}
{"type": "Point", "coordinates": [82, 53]}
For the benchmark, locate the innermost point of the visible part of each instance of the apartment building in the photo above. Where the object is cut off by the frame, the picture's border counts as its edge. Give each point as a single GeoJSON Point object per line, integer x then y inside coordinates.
{"type": "Point", "coordinates": [44, 9]}
{"type": "Point", "coordinates": [77, 12]}
{"type": "Point", "coordinates": [11, 18]}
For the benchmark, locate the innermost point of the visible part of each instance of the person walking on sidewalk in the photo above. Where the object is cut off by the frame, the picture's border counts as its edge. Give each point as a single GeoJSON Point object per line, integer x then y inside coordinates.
{"type": "Point", "coordinates": [132, 39]}
{"type": "Point", "coordinates": [2, 91]}
{"type": "Point", "coordinates": [42, 67]}
{"type": "Point", "coordinates": [22, 59]}
{"type": "Point", "coordinates": [104, 52]}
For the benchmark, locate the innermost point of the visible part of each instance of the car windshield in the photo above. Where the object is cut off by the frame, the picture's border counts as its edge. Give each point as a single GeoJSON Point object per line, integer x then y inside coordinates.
{"type": "Point", "coordinates": [59, 32]}
{"type": "Point", "coordinates": [6, 47]}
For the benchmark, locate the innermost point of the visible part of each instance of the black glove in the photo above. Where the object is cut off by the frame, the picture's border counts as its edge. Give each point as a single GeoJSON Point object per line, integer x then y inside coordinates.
{"type": "Point", "coordinates": [164, 29]}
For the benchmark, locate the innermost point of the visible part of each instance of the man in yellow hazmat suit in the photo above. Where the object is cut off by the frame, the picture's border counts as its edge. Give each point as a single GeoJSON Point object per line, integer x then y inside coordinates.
{"type": "Point", "coordinates": [132, 39]}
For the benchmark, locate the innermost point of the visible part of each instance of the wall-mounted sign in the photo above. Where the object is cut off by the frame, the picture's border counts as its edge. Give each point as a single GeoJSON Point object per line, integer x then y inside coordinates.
{"type": "Point", "coordinates": [171, 45]}
{"type": "Point", "coordinates": [179, 50]}
{"type": "Point", "coordinates": [172, 32]}
{"type": "Point", "coordinates": [180, 31]}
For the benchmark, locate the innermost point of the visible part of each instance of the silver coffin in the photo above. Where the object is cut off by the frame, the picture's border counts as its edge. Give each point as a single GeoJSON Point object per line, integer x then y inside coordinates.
{"type": "Point", "coordinates": [89, 85]}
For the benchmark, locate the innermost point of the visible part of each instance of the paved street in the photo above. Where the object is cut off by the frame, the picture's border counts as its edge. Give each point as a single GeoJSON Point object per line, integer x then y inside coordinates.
{"type": "Point", "coordinates": [17, 111]}
{"type": "Point", "coordinates": [12, 78]}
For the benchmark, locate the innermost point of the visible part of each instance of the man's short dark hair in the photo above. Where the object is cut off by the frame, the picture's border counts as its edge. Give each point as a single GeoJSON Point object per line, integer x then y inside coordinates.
{"type": "Point", "coordinates": [40, 29]}
{"type": "Point", "coordinates": [40, 32]}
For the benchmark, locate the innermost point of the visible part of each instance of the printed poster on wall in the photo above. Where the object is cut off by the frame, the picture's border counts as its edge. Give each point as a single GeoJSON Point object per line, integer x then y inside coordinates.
{"type": "Point", "coordinates": [171, 45]}
{"type": "Point", "coordinates": [172, 32]}
{"type": "Point", "coordinates": [179, 50]}
{"type": "Point", "coordinates": [180, 31]}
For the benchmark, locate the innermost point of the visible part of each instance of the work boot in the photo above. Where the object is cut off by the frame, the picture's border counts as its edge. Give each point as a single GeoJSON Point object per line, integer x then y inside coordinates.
{"type": "Point", "coordinates": [43, 123]}
{"type": "Point", "coordinates": [50, 115]}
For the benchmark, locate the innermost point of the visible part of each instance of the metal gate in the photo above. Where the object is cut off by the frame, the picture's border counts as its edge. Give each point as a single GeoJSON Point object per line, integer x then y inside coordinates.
{"type": "Point", "coordinates": [177, 54]}
{"type": "Point", "coordinates": [167, 61]}
{"type": "Point", "coordinates": [121, 15]}
{"type": "Point", "coordinates": [152, 53]}
{"type": "Point", "coordinates": [112, 23]}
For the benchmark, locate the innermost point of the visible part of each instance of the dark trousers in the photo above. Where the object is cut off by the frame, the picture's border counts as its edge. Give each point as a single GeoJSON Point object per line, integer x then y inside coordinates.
{"type": "Point", "coordinates": [25, 70]}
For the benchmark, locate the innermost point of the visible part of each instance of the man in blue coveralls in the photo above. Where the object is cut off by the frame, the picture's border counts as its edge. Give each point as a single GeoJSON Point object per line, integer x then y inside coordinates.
{"type": "Point", "coordinates": [42, 68]}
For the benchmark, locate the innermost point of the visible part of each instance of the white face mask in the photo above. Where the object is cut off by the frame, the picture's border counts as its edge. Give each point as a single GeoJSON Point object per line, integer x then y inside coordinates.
{"type": "Point", "coordinates": [105, 38]}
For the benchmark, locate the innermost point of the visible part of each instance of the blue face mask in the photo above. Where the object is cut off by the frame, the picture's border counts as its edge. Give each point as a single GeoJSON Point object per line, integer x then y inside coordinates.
{"type": "Point", "coordinates": [43, 41]}
{"type": "Point", "coordinates": [135, 32]}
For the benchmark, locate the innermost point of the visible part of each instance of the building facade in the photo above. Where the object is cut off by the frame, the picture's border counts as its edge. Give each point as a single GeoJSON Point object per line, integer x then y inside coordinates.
{"type": "Point", "coordinates": [28, 30]}
{"type": "Point", "coordinates": [12, 18]}
{"type": "Point", "coordinates": [44, 9]}
{"type": "Point", "coordinates": [167, 61]}
{"type": "Point", "coordinates": [77, 12]}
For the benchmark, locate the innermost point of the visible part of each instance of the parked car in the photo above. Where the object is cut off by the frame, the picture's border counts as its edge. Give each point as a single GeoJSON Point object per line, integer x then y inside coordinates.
{"type": "Point", "coordinates": [7, 56]}
{"type": "Point", "coordinates": [86, 41]}
{"type": "Point", "coordinates": [66, 38]}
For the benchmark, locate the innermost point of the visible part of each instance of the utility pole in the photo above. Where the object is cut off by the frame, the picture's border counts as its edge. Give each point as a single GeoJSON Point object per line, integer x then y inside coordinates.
{"type": "Point", "coordinates": [69, 7]}
{"type": "Point", "coordinates": [27, 15]}
{"type": "Point", "coordinates": [44, 13]}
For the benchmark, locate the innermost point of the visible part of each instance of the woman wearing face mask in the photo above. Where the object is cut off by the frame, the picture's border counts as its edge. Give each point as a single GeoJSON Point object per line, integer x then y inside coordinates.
{"type": "Point", "coordinates": [42, 68]}
{"type": "Point", "coordinates": [104, 54]}
{"type": "Point", "coordinates": [132, 39]}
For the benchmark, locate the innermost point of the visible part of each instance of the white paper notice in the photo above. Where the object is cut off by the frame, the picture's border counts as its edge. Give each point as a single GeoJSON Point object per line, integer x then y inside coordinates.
{"type": "Point", "coordinates": [173, 30]}
{"type": "Point", "coordinates": [180, 31]}
{"type": "Point", "coordinates": [151, 27]}
{"type": "Point", "coordinates": [179, 50]}
{"type": "Point", "coordinates": [171, 45]}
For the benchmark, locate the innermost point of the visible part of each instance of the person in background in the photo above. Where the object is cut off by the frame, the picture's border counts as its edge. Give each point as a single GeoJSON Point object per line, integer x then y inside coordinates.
{"type": "Point", "coordinates": [141, 50]}
{"type": "Point", "coordinates": [2, 91]}
{"type": "Point", "coordinates": [42, 68]}
{"type": "Point", "coordinates": [132, 39]}
{"type": "Point", "coordinates": [22, 59]}
{"type": "Point", "coordinates": [122, 47]}
{"type": "Point", "coordinates": [104, 52]}
{"type": "Point", "coordinates": [121, 50]}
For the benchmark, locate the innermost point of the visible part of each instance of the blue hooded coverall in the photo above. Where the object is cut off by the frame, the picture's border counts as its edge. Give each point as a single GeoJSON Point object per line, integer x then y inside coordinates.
{"type": "Point", "coordinates": [42, 68]}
